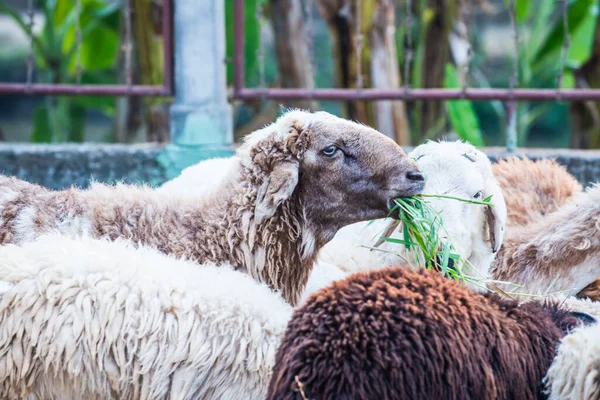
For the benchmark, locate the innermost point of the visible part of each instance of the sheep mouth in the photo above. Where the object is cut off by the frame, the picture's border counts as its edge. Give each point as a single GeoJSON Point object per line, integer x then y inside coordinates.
{"type": "Point", "coordinates": [405, 191]}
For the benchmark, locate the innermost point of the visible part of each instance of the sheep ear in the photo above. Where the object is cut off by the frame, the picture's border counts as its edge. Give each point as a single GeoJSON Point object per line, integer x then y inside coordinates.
{"type": "Point", "coordinates": [585, 318]}
{"type": "Point", "coordinates": [277, 188]}
{"type": "Point", "coordinates": [495, 216]}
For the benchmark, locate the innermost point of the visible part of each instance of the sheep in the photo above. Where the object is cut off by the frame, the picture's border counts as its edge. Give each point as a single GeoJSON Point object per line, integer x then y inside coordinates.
{"type": "Point", "coordinates": [575, 371]}
{"type": "Point", "coordinates": [293, 184]}
{"type": "Point", "coordinates": [84, 318]}
{"type": "Point", "coordinates": [451, 168]}
{"type": "Point", "coordinates": [321, 275]}
{"type": "Point", "coordinates": [200, 179]}
{"type": "Point", "coordinates": [205, 177]}
{"type": "Point", "coordinates": [558, 253]}
{"type": "Point", "coordinates": [533, 189]}
{"type": "Point", "coordinates": [399, 333]}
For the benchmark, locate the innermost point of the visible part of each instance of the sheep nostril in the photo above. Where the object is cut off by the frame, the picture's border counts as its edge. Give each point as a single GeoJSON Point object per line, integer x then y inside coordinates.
{"type": "Point", "coordinates": [439, 263]}
{"type": "Point", "coordinates": [415, 176]}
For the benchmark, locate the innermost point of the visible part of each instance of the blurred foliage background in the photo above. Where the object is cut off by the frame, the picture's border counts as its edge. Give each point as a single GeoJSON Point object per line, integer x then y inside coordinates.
{"type": "Point", "coordinates": [311, 43]}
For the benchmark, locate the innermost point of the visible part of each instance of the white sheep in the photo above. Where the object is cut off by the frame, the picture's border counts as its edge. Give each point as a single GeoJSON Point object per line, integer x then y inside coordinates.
{"type": "Point", "coordinates": [575, 371]}
{"type": "Point", "coordinates": [93, 319]}
{"type": "Point", "coordinates": [453, 169]}
{"type": "Point", "coordinates": [293, 185]}
{"type": "Point", "coordinates": [200, 179]}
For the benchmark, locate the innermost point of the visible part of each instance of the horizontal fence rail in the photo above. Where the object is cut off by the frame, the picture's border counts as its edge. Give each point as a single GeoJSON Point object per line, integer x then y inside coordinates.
{"type": "Point", "coordinates": [128, 89]}
{"type": "Point", "coordinates": [406, 93]}
{"type": "Point", "coordinates": [243, 93]}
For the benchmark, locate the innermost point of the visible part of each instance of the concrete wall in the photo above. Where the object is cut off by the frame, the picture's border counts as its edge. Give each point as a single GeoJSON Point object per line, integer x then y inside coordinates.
{"type": "Point", "coordinates": [60, 166]}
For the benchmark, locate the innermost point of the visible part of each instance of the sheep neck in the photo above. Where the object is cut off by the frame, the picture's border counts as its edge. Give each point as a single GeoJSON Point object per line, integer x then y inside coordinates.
{"type": "Point", "coordinates": [560, 252]}
{"type": "Point", "coordinates": [279, 251]}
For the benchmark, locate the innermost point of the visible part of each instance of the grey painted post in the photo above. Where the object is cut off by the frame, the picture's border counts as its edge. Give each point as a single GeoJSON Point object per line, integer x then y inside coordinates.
{"type": "Point", "coordinates": [201, 118]}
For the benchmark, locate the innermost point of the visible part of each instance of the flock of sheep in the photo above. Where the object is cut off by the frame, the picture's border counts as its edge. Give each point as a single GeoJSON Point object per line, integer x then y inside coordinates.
{"type": "Point", "coordinates": [261, 276]}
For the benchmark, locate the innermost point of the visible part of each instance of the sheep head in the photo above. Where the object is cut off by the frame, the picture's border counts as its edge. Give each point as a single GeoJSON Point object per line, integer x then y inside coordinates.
{"type": "Point", "coordinates": [460, 170]}
{"type": "Point", "coordinates": [340, 171]}
{"type": "Point", "coordinates": [311, 174]}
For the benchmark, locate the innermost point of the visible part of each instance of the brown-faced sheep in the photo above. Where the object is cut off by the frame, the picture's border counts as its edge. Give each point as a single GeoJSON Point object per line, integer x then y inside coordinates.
{"type": "Point", "coordinates": [293, 185]}
{"type": "Point", "coordinates": [398, 333]}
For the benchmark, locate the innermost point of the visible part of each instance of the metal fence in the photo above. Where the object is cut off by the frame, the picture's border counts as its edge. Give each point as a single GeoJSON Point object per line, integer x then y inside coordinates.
{"type": "Point", "coordinates": [509, 95]}
{"type": "Point", "coordinates": [407, 93]}
{"type": "Point", "coordinates": [127, 89]}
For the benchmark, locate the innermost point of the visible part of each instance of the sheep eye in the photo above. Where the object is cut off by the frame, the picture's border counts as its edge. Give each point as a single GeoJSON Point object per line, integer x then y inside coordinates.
{"type": "Point", "coordinates": [418, 158]}
{"type": "Point", "coordinates": [329, 151]}
{"type": "Point", "coordinates": [468, 157]}
{"type": "Point", "coordinates": [477, 195]}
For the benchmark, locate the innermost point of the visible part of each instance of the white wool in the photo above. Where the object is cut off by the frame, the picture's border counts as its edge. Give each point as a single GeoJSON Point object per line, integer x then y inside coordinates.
{"type": "Point", "coordinates": [92, 319]}
{"type": "Point", "coordinates": [451, 168]}
{"type": "Point", "coordinates": [575, 371]}
{"type": "Point", "coordinates": [200, 179]}
{"type": "Point", "coordinates": [321, 276]}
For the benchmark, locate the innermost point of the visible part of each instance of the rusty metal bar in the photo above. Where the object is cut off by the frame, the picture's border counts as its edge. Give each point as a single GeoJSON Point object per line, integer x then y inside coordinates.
{"type": "Point", "coordinates": [87, 90]}
{"type": "Point", "coordinates": [166, 89]}
{"type": "Point", "coordinates": [167, 35]}
{"type": "Point", "coordinates": [476, 94]}
{"type": "Point", "coordinates": [238, 48]}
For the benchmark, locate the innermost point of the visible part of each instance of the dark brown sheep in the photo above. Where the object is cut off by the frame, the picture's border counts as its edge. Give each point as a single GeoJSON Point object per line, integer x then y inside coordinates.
{"type": "Point", "coordinates": [403, 334]}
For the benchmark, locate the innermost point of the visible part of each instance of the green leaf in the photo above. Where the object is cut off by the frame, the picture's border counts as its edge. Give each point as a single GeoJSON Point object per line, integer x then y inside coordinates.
{"type": "Point", "coordinates": [568, 81]}
{"type": "Point", "coordinates": [100, 49]}
{"type": "Point", "coordinates": [399, 241]}
{"type": "Point", "coordinates": [522, 9]}
{"type": "Point", "coordinates": [582, 41]}
{"type": "Point", "coordinates": [251, 37]}
{"type": "Point", "coordinates": [578, 11]}
{"type": "Point", "coordinates": [16, 17]}
{"type": "Point", "coordinates": [41, 132]}
{"type": "Point", "coordinates": [461, 112]}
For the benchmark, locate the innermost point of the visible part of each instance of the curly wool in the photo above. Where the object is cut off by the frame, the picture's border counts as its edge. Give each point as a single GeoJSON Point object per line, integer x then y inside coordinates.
{"type": "Point", "coordinates": [575, 372]}
{"type": "Point", "coordinates": [91, 319]}
{"type": "Point", "coordinates": [281, 201]}
{"type": "Point", "coordinates": [403, 334]}
{"type": "Point", "coordinates": [533, 189]}
{"type": "Point", "coordinates": [561, 252]}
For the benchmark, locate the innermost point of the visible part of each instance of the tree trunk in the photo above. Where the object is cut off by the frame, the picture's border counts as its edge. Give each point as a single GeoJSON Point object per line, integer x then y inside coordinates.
{"type": "Point", "coordinates": [378, 60]}
{"type": "Point", "coordinates": [128, 115]}
{"type": "Point", "coordinates": [390, 115]}
{"type": "Point", "coordinates": [585, 116]}
{"type": "Point", "coordinates": [149, 114]}
{"type": "Point", "coordinates": [292, 49]}
{"type": "Point", "coordinates": [436, 55]}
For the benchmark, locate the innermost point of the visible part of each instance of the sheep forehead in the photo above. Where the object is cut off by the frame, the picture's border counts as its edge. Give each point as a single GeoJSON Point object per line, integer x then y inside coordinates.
{"type": "Point", "coordinates": [456, 148]}
{"type": "Point", "coordinates": [322, 129]}
{"type": "Point", "coordinates": [446, 171]}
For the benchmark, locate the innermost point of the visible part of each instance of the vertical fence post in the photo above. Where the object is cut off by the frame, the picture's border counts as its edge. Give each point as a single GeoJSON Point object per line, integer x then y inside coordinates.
{"type": "Point", "coordinates": [201, 118]}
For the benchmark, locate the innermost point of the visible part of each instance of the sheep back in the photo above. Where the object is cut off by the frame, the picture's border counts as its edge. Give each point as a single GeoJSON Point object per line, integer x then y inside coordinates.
{"type": "Point", "coordinates": [533, 189]}
{"type": "Point", "coordinates": [575, 372]}
{"type": "Point", "coordinates": [91, 319]}
{"type": "Point", "coordinates": [404, 334]}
